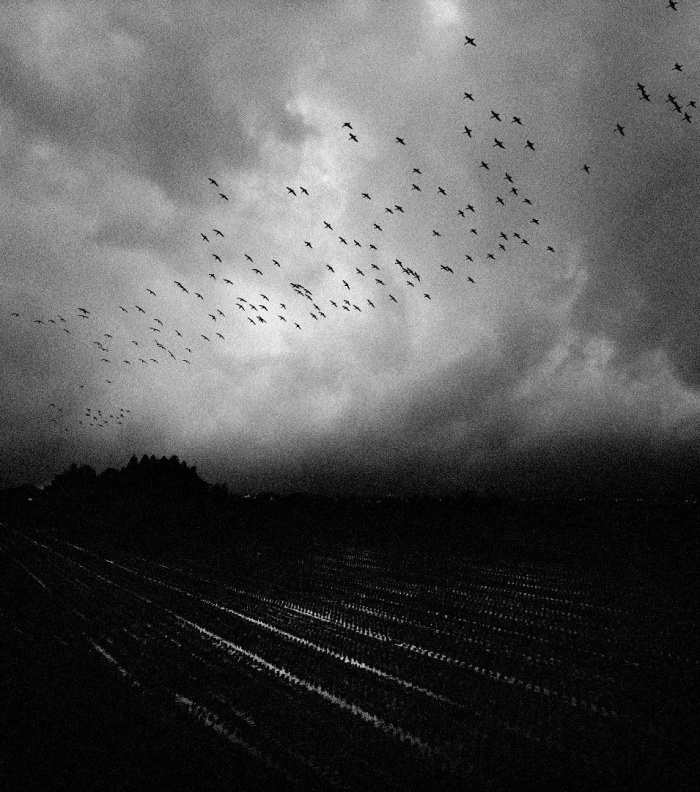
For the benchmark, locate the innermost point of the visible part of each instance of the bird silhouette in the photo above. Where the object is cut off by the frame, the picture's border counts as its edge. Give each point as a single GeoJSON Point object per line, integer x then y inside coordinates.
{"type": "Point", "coordinates": [150, 291]}
{"type": "Point", "coordinates": [289, 189]}
{"type": "Point", "coordinates": [495, 115]}
{"type": "Point", "coordinates": [498, 143]}
{"type": "Point", "coordinates": [677, 67]}
{"type": "Point", "coordinates": [401, 141]}
{"type": "Point", "coordinates": [204, 237]}
{"type": "Point", "coordinates": [484, 165]}
{"type": "Point", "coordinates": [620, 129]}
{"type": "Point", "coordinates": [217, 232]}
{"type": "Point", "coordinates": [354, 140]}
{"type": "Point", "coordinates": [530, 145]}
{"type": "Point", "coordinates": [469, 41]}
{"type": "Point", "coordinates": [347, 124]}
{"type": "Point", "coordinates": [215, 183]}
{"type": "Point", "coordinates": [304, 190]}
{"type": "Point", "coordinates": [516, 120]}
{"type": "Point", "coordinates": [468, 96]}
{"type": "Point", "coordinates": [223, 196]}
{"type": "Point", "coordinates": [586, 168]}
{"type": "Point", "coordinates": [257, 270]}
{"type": "Point", "coordinates": [366, 195]}
{"type": "Point", "coordinates": [327, 225]}
{"type": "Point", "coordinates": [467, 131]}
{"type": "Point", "coordinates": [415, 187]}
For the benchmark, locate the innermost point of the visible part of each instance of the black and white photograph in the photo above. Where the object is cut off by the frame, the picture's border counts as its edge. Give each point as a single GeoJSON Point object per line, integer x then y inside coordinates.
{"type": "Point", "coordinates": [349, 395]}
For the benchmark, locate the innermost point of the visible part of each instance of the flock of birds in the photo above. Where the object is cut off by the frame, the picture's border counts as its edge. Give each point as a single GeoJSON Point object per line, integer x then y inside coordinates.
{"type": "Point", "coordinates": [364, 274]}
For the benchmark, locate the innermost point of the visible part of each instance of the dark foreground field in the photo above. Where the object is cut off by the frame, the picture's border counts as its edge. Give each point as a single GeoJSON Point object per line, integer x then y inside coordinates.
{"type": "Point", "coordinates": [343, 663]}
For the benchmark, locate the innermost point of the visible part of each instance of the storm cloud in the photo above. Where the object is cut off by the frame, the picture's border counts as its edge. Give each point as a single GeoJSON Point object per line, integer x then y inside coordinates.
{"type": "Point", "coordinates": [549, 367]}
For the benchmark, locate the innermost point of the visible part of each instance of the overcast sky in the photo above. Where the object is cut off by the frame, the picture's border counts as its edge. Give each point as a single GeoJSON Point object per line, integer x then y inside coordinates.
{"type": "Point", "coordinates": [551, 367]}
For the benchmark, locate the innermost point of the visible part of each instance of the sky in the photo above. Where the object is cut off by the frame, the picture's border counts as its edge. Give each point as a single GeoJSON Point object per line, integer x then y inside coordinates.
{"type": "Point", "coordinates": [518, 355]}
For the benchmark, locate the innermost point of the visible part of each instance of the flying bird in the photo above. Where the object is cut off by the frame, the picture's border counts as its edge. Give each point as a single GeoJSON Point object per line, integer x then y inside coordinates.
{"type": "Point", "coordinates": [530, 145]}
{"type": "Point", "coordinates": [621, 130]}
{"type": "Point", "coordinates": [415, 170]}
{"type": "Point", "coordinates": [468, 96]}
{"type": "Point", "coordinates": [327, 225]}
{"type": "Point", "coordinates": [677, 67]}
{"type": "Point", "coordinates": [484, 165]}
{"type": "Point", "coordinates": [401, 141]}
{"type": "Point", "coordinates": [366, 195]}
{"type": "Point", "coordinates": [347, 124]}
{"type": "Point", "coordinates": [140, 309]}
{"type": "Point", "coordinates": [218, 258]}
{"type": "Point", "coordinates": [216, 231]}
{"type": "Point", "coordinates": [204, 236]}
{"type": "Point", "coordinates": [223, 196]}
{"type": "Point", "coordinates": [289, 189]}
{"type": "Point", "coordinates": [467, 131]}
{"type": "Point", "coordinates": [215, 183]}
{"type": "Point", "coordinates": [308, 244]}
{"type": "Point", "coordinates": [516, 120]}
{"type": "Point", "coordinates": [304, 190]}
{"type": "Point", "coordinates": [495, 115]}
{"type": "Point", "coordinates": [586, 168]}
{"type": "Point", "coordinates": [440, 190]}
{"type": "Point", "coordinates": [150, 291]}
{"type": "Point", "coordinates": [355, 140]}
{"type": "Point", "coordinates": [257, 270]}
{"type": "Point", "coordinates": [415, 187]}
{"type": "Point", "coordinates": [469, 41]}
{"type": "Point", "coordinates": [498, 143]}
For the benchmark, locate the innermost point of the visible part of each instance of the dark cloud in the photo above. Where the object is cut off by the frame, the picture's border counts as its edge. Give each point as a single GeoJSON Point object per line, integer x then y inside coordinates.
{"type": "Point", "coordinates": [577, 365]}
